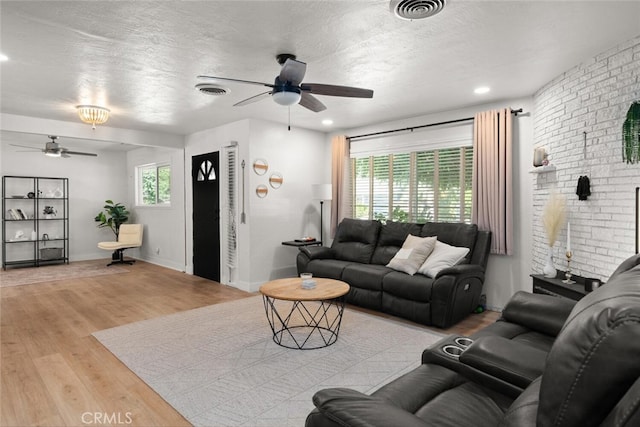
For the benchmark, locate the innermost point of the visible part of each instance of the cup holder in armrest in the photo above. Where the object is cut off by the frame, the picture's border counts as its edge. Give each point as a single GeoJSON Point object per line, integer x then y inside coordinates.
{"type": "Point", "coordinates": [457, 347]}
{"type": "Point", "coordinates": [446, 351]}
{"type": "Point", "coordinates": [463, 341]}
{"type": "Point", "coordinates": [453, 350]}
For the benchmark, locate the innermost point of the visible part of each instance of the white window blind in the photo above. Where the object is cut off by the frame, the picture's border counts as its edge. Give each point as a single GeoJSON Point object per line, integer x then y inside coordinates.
{"type": "Point", "coordinates": [428, 181]}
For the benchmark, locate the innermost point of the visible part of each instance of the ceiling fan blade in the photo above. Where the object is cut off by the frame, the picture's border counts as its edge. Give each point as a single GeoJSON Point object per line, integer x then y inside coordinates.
{"type": "Point", "coordinates": [293, 72]}
{"type": "Point", "coordinates": [77, 153]}
{"type": "Point", "coordinates": [333, 90]}
{"type": "Point", "coordinates": [253, 99]}
{"type": "Point", "coordinates": [236, 80]}
{"type": "Point", "coordinates": [26, 146]}
{"type": "Point", "coordinates": [311, 102]}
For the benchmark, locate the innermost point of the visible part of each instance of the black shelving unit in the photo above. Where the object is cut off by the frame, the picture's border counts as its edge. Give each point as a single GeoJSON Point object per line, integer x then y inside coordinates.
{"type": "Point", "coordinates": [31, 237]}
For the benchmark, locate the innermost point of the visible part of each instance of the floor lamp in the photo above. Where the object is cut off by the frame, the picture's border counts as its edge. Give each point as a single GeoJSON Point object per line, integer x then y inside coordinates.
{"type": "Point", "coordinates": [322, 192]}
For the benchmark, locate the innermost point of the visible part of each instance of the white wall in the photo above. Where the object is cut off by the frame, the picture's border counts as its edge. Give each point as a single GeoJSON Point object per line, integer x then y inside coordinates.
{"type": "Point", "coordinates": [208, 141]}
{"type": "Point", "coordinates": [592, 97]}
{"type": "Point", "coordinates": [164, 227]}
{"type": "Point", "coordinates": [92, 180]}
{"type": "Point", "coordinates": [505, 274]}
{"type": "Point", "coordinates": [284, 214]}
{"type": "Point", "coordinates": [288, 212]}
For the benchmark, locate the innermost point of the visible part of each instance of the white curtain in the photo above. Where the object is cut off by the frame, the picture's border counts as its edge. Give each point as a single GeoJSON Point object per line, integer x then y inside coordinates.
{"type": "Point", "coordinates": [492, 177]}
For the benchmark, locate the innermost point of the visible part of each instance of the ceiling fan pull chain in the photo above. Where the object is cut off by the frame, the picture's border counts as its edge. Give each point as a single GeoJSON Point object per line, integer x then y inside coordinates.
{"type": "Point", "coordinates": [289, 122]}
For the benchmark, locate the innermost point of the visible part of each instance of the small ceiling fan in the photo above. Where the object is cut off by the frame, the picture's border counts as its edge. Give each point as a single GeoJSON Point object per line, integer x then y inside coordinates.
{"type": "Point", "coordinates": [288, 89]}
{"type": "Point", "coordinates": [53, 149]}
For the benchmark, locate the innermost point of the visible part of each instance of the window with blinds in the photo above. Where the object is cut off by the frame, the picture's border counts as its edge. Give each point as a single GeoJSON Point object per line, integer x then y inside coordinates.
{"type": "Point", "coordinates": [433, 185]}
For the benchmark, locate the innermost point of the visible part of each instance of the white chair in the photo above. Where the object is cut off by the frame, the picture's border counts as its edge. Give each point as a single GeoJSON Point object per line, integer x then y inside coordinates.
{"type": "Point", "coordinates": [129, 236]}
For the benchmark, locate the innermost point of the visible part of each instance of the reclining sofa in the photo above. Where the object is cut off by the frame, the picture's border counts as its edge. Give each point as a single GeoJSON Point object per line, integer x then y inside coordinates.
{"type": "Point", "coordinates": [589, 374]}
{"type": "Point", "coordinates": [361, 250]}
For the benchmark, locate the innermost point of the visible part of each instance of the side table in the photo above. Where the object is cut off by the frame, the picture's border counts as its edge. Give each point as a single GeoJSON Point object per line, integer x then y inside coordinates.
{"type": "Point", "coordinates": [555, 287]}
{"type": "Point", "coordinates": [301, 244]}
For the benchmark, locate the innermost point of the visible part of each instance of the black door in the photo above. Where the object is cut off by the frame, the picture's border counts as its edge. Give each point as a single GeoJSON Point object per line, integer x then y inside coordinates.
{"type": "Point", "coordinates": [206, 215]}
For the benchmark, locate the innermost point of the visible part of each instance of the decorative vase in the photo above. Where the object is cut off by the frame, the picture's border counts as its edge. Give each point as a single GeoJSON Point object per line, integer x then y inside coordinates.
{"type": "Point", "coordinates": [549, 270]}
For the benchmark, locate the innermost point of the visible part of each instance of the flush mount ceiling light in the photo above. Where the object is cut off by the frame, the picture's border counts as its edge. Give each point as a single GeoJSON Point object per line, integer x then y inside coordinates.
{"type": "Point", "coordinates": [93, 114]}
{"type": "Point", "coordinates": [416, 9]}
{"type": "Point", "coordinates": [481, 90]}
{"type": "Point", "coordinates": [327, 122]}
{"type": "Point", "coordinates": [3, 57]}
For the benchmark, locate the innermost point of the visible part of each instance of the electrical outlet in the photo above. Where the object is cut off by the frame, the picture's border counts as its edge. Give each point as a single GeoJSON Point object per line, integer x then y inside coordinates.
{"type": "Point", "coordinates": [158, 251]}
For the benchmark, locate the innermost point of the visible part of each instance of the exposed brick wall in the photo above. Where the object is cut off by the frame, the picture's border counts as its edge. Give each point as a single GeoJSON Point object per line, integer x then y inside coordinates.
{"type": "Point", "coordinates": [592, 97]}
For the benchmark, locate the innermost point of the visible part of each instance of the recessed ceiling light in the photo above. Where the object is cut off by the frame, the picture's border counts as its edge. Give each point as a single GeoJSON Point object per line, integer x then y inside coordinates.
{"type": "Point", "coordinates": [3, 57]}
{"type": "Point", "coordinates": [327, 122]}
{"type": "Point", "coordinates": [481, 90]}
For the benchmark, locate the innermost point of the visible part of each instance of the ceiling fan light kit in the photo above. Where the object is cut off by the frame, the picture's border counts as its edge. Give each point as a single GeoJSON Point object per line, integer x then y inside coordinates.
{"type": "Point", "coordinates": [287, 97]}
{"type": "Point", "coordinates": [93, 114]}
{"type": "Point", "coordinates": [288, 89]}
{"type": "Point", "coordinates": [53, 149]}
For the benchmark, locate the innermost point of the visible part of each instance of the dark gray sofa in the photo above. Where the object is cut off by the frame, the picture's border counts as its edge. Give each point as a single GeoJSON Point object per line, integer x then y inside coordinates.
{"type": "Point", "coordinates": [590, 375]}
{"type": "Point", "coordinates": [361, 249]}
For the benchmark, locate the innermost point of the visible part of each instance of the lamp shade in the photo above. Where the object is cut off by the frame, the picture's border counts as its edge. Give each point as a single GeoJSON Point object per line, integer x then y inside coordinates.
{"type": "Point", "coordinates": [322, 191]}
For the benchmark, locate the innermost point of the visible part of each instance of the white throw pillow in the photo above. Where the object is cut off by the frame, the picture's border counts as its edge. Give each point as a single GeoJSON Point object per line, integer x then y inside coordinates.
{"type": "Point", "coordinates": [412, 254]}
{"type": "Point", "coordinates": [443, 256]}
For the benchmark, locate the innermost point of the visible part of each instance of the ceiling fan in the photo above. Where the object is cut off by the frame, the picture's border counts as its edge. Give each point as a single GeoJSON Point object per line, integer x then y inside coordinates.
{"type": "Point", "coordinates": [53, 149]}
{"type": "Point", "coordinates": [288, 89]}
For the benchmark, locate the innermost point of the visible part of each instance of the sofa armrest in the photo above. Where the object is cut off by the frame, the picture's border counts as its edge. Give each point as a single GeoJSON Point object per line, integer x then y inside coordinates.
{"type": "Point", "coordinates": [351, 408]}
{"type": "Point", "coordinates": [318, 252]}
{"type": "Point", "coordinates": [541, 313]}
{"type": "Point", "coordinates": [511, 361]}
{"type": "Point", "coordinates": [460, 269]}
{"type": "Point", "coordinates": [455, 294]}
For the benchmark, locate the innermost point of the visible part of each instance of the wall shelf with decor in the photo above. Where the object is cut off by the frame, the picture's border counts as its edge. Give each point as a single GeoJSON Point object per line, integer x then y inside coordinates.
{"type": "Point", "coordinates": [544, 169]}
{"type": "Point", "coordinates": [35, 221]}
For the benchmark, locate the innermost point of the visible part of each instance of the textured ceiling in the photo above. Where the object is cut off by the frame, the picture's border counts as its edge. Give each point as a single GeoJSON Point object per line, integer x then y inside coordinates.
{"type": "Point", "coordinates": [141, 58]}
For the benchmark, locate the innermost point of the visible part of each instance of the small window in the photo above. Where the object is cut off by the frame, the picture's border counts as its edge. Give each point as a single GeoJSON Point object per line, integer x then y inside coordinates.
{"type": "Point", "coordinates": [153, 185]}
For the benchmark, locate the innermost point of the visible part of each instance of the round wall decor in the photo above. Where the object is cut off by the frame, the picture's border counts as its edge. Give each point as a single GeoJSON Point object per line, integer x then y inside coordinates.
{"type": "Point", "coordinates": [262, 191]}
{"type": "Point", "coordinates": [276, 180]}
{"type": "Point", "coordinates": [260, 166]}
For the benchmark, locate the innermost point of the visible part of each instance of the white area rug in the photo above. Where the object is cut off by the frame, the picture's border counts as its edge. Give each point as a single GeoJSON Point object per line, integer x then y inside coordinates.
{"type": "Point", "coordinates": [218, 365]}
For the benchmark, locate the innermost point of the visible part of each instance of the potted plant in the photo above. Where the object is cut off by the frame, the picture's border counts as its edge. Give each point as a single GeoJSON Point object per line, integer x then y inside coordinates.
{"type": "Point", "coordinates": [112, 216]}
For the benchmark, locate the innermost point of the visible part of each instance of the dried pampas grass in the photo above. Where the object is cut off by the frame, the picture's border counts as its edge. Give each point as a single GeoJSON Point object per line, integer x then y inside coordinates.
{"type": "Point", "coordinates": [553, 217]}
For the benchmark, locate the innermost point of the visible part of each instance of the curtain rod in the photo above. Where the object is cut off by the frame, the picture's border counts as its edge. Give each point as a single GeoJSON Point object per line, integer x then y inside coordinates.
{"type": "Point", "coordinates": [448, 122]}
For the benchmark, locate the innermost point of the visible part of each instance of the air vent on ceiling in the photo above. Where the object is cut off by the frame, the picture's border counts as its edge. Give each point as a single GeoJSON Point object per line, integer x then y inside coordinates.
{"type": "Point", "coordinates": [416, 9]}
{"type": "Point", "coordinates": [212, 89]}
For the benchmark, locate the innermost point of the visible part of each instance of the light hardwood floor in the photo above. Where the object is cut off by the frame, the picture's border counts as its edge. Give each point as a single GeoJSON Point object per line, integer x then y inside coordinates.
{"type": "Point", "coordinates": [54, 373]}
